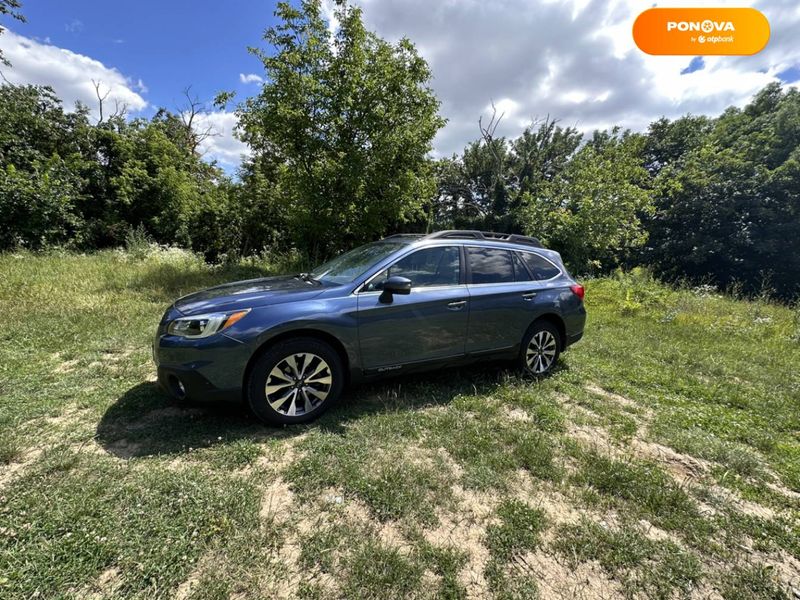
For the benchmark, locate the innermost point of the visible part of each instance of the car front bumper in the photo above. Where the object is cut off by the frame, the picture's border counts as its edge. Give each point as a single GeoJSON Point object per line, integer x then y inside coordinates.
{"type": "Point", "coordinates": [190, 384]}
{"type": "Point", "coordinates": [207, 369]}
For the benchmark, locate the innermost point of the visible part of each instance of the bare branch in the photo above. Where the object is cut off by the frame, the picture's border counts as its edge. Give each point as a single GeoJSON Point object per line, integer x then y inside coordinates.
{"type": "Point", "coordinates": [189, 112]}
{"type": "Point", "coordinates": [120, 110]}
{"type": "Point", "coordinates": [487, 133]}
{"type": "Point", "coordinates": [100, 98]}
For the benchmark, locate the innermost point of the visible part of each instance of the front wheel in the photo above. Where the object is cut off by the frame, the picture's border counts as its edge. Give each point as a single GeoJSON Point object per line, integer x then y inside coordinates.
{"type": "Point", "coordinates": [295, 381]}
{"type": "Point", "coordinates": [541, 348]}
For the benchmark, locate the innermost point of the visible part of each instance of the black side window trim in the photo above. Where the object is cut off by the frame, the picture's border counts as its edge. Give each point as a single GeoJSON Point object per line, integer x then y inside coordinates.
{"type": "Point", "coordinates": [518, 260]}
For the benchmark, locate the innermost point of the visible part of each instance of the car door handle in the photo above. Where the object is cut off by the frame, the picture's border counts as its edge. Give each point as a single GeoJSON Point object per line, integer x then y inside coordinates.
{"type": "Point", "coordinates": [457, 305]}
{"type": "Point", "coordinates": [529, 295]}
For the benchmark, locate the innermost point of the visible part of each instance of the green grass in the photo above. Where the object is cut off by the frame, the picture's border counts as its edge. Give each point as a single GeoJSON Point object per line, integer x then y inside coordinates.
{"type": "Point", "coordinates": [656, 569]}
{"type": "Point", "coordinates": [459, 483]}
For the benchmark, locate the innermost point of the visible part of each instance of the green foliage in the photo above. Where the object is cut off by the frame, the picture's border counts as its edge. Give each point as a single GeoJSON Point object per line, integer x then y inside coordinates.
{"type": "Point", "coordinates": [341, 128]}
{"type": "Point", "coordinates": [587, 203]}
{"type": "Point", "coordinates": [591, 211]}
{"type": "Point", "coordinates": [728, 208]}
{"type": "Point", "coordinates": [66, 182]}
{"type": "Point", "coordinates": [37, 207]}
{"type": "Point", "coordinates": [487, 186]}
{"type": "Point", "coordinates": [41, 161]}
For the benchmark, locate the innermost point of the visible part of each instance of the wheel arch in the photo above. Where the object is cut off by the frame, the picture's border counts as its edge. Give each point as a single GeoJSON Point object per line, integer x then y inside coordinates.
{"type": "Point", "coordinates": [317, 334]}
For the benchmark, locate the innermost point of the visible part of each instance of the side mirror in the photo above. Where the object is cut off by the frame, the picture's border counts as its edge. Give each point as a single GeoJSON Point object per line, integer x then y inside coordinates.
{"type": "Point", "coordinates": [394, 285]}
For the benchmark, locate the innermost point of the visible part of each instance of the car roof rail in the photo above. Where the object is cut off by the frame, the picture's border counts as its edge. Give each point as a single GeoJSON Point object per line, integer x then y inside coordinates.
{"type": "Point", "coordinates": [474, 234]}
{"type": "Point", "coordinates": [404, 235]}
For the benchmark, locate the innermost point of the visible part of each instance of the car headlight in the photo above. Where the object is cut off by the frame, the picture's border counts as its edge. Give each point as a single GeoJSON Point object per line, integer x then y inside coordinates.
{"type": "Point", "coordinates": [200, 326]}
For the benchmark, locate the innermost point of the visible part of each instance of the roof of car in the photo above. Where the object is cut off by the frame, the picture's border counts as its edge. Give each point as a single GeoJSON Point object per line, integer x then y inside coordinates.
{"type": "Point", "coordinates": [469, 234]}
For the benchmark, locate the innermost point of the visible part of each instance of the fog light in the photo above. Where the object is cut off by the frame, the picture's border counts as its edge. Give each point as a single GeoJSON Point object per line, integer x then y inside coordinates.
{"type": "Point", "coordinates": [177, 387]}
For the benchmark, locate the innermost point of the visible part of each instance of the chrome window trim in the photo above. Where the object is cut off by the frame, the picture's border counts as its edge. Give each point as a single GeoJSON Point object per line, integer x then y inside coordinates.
{"type": "Point", "coordinates": [416, 289]}
{"type": "Point", "coordinates": [357, 290]}
{"type": "Point", "coordinates": [506, 283]}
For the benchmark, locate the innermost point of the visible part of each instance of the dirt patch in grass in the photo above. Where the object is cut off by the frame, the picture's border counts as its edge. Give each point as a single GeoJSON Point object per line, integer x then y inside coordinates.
{"type": "Point", "coordinates": [387, 531]}
{"type": "Point", "coordinates": [465, 529]}
{"type": "Point", "coordinates": [516, 414]}
{"type": "Point", "coordinates": [615, 398]}
{"type": "Point", "coordinates": [159, 414]}
{"type": "Point", "coordinates": [276, 504]}
{"type": "Point", "coordinates": [557, 580]}
{"type": "Point", "coordinates": [783, 490]}
{"type": "Point", "coordinates": [105, 586]}
{"type": "Point", "coordinates": [123, 449]}
{"type": "Point", "coordinates": [16, 468]}
{"type": "Point", "coordinates": [594, 437]}
{"type": "Point", "coordinates": [743, 506]}
{"type": "Point", "coordinates": [681, 466]}
{"type": "Point", "coordinates": [187, 586]}
{"type": "Point", "coordinates": [67, 366]}
{"type": "Point", "coordinates": [544, 496]}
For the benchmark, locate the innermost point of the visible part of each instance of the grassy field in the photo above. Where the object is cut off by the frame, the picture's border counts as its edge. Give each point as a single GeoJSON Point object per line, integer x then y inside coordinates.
{"type": "Point", "coordinates": [662, 460]}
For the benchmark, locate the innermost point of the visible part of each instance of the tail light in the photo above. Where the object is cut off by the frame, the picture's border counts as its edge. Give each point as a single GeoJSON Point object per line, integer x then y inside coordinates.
{"type": "Point", "coordinates": [578, 290]}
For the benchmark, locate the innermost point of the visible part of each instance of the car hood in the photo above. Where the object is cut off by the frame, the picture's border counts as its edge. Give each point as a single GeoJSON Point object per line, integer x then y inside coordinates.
{"type": "Point", "coordinates": [248, 294]}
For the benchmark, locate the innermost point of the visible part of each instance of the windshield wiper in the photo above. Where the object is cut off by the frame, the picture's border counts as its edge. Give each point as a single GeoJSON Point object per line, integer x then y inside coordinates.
{"type": "Point", "coordinates": [309, 277]}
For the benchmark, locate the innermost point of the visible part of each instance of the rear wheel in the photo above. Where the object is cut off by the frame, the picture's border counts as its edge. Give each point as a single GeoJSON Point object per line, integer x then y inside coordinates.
{"type": "Point", "coordinates": [295, 381]}
{"type": "Point", "coordinates": [541, 348]}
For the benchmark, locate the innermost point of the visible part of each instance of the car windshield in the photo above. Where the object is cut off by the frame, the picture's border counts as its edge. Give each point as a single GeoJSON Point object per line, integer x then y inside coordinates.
{"type": "Point", "coordinates": [346, 267]}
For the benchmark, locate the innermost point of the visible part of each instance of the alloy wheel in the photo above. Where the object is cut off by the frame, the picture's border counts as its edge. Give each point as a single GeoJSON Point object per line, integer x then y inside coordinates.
{"type": "Point", "coordinates": [298, 384]}
{"type": "Point", "coordinates": [541, 352]}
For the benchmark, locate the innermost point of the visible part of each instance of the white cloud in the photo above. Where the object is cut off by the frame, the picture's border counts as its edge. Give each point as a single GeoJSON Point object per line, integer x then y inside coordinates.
{"type": "Point", "coordinates": [250, 78]}
{"type": "Point", "coordinates": [68, 73]}
{"type": "Point", "coordinates": [74, 26]}
{"type": "Point", "coordinates": [574, 60]}
{"type": "Point", "coordinates": [223, 146]}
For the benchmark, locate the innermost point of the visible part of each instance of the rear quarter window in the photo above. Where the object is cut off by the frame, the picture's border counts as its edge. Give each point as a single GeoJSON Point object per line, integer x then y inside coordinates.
{"type": "Point", "coordinates": [541, 268]}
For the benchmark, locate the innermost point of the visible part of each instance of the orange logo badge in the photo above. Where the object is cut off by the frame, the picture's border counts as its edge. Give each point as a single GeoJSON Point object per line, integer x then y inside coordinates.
{"type": "Point", "coordinates": [701, 31]}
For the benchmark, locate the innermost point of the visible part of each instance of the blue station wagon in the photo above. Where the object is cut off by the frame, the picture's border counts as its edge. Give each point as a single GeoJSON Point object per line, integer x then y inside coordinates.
{"type": "Point", "coordinates": [289, 345]}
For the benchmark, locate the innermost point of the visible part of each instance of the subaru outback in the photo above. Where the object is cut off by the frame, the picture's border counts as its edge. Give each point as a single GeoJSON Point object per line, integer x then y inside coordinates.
{"type": "Point", "coordinates": [289, 345]}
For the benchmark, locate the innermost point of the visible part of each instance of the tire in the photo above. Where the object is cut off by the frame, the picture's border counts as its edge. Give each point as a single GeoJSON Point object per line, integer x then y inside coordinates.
{"type": "Point", "coordinates": [540, 349]}
{"type": "Point", "coordinates": [295, 381]}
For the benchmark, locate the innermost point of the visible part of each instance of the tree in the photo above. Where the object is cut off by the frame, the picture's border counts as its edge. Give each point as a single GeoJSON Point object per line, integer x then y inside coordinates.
{"type": "Point", "coordinates": [591, 212]}
{"type": "Point", "coordinates": [668, 142]}
{"type": "Point", "coordinates": [485, 188]}
{"type": "Point", "coordinates": [346, 120]}
{"type": "Point", "coordinates": [42, 157]}
{"type": "Point", "coordinates": [65, 181]}
{"type": "Point", "coordinates": [729, 209]}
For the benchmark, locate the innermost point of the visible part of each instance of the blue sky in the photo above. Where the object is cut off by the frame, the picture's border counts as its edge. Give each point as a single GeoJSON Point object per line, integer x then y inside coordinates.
{"type": "Point", "coordinates": [572, 60]}
{"type": "Point", "coordinates": [168, 45]}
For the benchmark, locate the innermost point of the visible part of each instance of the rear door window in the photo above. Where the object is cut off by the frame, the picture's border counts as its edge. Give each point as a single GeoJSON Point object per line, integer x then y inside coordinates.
{"type": "Point", "coordinates": [541, 268]}
{"type": "Point", "coordinates": [490, 265]}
